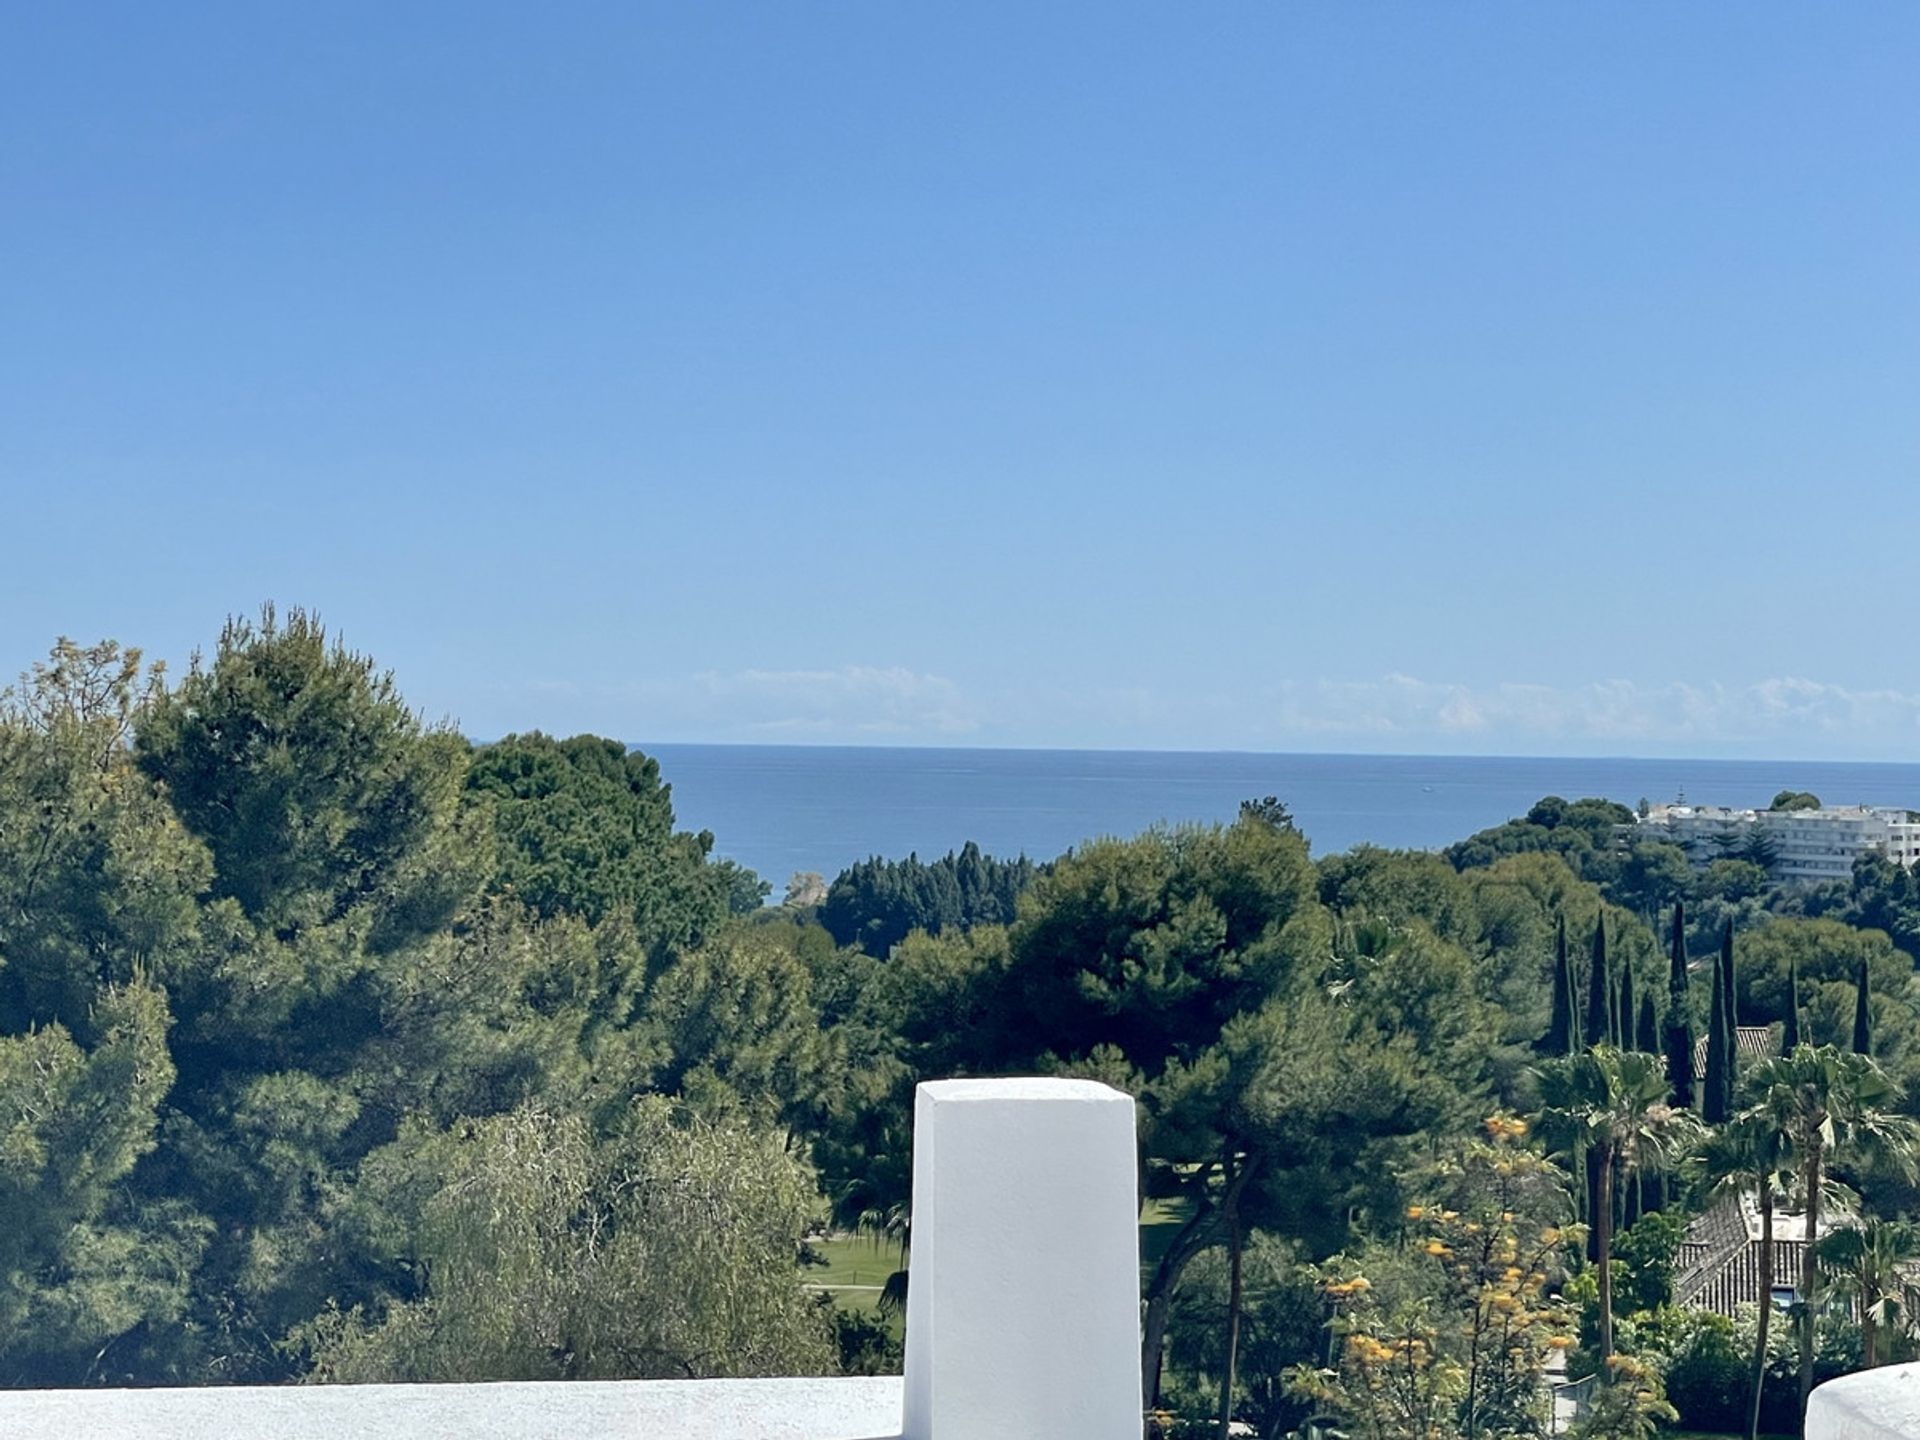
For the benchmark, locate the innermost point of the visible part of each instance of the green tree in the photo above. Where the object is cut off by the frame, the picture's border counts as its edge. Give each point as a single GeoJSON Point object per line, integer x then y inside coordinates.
{"type": "Point", "coordinates": [318, 792]}
{"type": "Point", "coordinates": [667, 1249]}
{"type": "Point", "coordinates": [1795, 800]}
{"type": "Point", "coordinates": [1822, 958]}
{"type": "Point", "coordinates": [342, 856]}
{"type": "Point", "coordinates": [877, 903]}
{"type": "Point", "coordinates": [744, 890]}
{"type": "Point", "coordinates": [82, 1262]}
{"type": "Point", "coordinates": [1871, 1265]}
{"type": "Point", "coordinates": [1825, 1101]}
{"type": "Point", "coordinates": [1562, 1038]}
{"type": "Point", "coordinates": [1624, 1026]}
{"type": "Point", "coordinates": [1655, 874]}
{"type": "Point", "coordinates": [97, 877]}
{"type": "Point", "coordinates": [1611, 1106]}
{"type": "Point", "coordinates": [1447, 1333]}
{"type": "Point", "coordinates": [1679, 1026]}
{"type": "Point", "coordinates": [737, 1031]}
{"type": "Point", "coordinates": [1714, 1108]}
{"type": "Point", "coordinates": [1599, 1027]}
{"type": "Point", "coordinates": [1862, 1016]}
{"type": "Point", "coordinates": [1753, 1154]}
{"type": "Point", "coordinates": [1283, 1324]}
{"type": "Point", "coordinates": [584, 827]}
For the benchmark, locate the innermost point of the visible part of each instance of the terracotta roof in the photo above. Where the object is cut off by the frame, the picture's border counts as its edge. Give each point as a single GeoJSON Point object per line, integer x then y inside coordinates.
{"type": "Point", "coordinates": [1758, 1041]}
{"type": "Point", "coordinates": [1720, 1258]}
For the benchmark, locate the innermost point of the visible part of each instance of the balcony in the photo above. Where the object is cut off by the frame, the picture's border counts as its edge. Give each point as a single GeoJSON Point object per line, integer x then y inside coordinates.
{"type": "Point", "coordinates": [1023, 1320]}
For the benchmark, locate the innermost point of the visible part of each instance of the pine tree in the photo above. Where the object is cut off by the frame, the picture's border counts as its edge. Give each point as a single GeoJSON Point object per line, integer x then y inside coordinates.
{"type": "Point", "coordinates": [1679, 1028]}
{"type": "Point", "coordinates": [1862, 1020]}
{"type": "Point", "coordinates": [1713, 1101]}
{"type": "Point", "coordinates": [1599, 1027]}
{"type": "Point", "coordinates": [1790, 1031]}
{"type": "Point", "coordinates": [1562, 1036]}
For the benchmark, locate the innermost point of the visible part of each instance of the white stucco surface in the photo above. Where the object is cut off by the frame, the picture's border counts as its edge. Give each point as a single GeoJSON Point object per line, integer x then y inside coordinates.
{"type": "Point", "coordinates": [840, 1409]}
{"type": "Point", "coordinates": [1023, 1311]}
{"type": "Point", "coordinates": [1882, 1404]}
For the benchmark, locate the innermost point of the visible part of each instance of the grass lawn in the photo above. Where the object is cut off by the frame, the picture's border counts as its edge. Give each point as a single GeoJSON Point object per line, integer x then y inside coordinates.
{"type": "Point", "coordinates": [856, 1267]}
{"type": "Point", "coordinates": [1160, 1221]}
{"type": "Point", "coordinates": [852, 1260]}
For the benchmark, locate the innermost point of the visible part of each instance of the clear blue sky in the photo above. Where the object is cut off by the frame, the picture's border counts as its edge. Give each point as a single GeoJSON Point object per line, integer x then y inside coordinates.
{"type": "Point", "coordinates": [1483, 378]}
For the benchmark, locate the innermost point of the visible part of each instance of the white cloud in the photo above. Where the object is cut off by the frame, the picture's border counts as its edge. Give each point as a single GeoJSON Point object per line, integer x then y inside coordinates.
{"type": "Point", "coordinates": [848, 704]}
{"type": "Point", "coordinates": [1781, 717]}
{"type": "Point", "coordinates": [857, 700]}
{"type": "Point", "coordinates": [1788, 710]}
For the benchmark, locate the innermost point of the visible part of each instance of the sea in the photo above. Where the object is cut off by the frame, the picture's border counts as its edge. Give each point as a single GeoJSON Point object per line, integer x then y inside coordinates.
{"type": "Point", "coordinates": [785, 809]}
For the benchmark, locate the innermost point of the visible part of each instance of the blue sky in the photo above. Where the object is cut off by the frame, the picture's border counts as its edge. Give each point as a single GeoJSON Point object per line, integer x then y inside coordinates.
{"type": "Point", "coordinates": [1469, 378]}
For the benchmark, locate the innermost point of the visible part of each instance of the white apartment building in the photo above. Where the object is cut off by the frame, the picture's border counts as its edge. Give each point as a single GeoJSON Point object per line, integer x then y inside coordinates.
{"type": "Point", "coordinates": [1807, 845]}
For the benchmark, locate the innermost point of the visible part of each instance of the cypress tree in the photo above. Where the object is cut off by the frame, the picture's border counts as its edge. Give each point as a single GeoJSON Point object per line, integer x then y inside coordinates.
{"type": "Point", "coordinates": [1790, 1032]}
{"type": "Point", "coordinates": [1647, 1034]}
{"type": "Point", "coordinates": [1730, 1075]}
{"type": "Point", "coordinates": [1679, 1029]}
{"type": "Point", "coordinates": [1727, 977]}
{"type": "Point", "coordinates": [1628, 1013]}
{"type": "Point", "coordinates": [1599, 1028]}
{"type": "Point", "coordinates": [1713, 1099]}
{"type": "Point", "coordinates": [1862, 1022]}
{"type": "Point", "coordinates": [1563, 1036]}
{"type": "Point", "coordinates": [1653, 1186]}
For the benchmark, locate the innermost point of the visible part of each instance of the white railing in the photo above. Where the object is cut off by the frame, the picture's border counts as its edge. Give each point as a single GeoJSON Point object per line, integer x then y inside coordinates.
{"type": "Point", "coordinates": [1022, 1320]}
{"type": "Point", "coordinates": [1882, 1404]}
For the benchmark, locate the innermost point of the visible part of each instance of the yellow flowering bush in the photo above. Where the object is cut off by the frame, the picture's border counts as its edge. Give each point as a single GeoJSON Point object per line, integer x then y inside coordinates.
{"type": "Point", "coordinates": [1460, 1356]}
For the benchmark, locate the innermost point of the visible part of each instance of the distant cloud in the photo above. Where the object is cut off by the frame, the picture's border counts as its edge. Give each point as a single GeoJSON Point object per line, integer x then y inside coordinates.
{"type": "Point", "coordinates": [849, 704]}
{"type": "Point", "coordinates": [1788, 710]}
{"type": "Point", "coordinates": [1781, 717]}
{"type": "Point", "coordinates": [859, 700]}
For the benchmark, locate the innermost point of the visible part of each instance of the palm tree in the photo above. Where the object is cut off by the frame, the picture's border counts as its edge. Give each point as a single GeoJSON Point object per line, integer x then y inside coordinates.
{"type": "Point", "coordinates": [1611, 1105]}
{"type": "Point", "coordinates": [1869, 1264]}
{"type": "Point", "coordinates": [1750, 1154]}
{"type": "Point", "coordinates": [1824, 1100]}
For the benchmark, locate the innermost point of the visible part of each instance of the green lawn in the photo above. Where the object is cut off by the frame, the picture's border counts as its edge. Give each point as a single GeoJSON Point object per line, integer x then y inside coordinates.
{"type": "Point", "coordinates": [856, 1267]}
{"type": "Point", "coordinates": [852, 1260]}
{"type": "Point", "coordinates": [1160, 1221]}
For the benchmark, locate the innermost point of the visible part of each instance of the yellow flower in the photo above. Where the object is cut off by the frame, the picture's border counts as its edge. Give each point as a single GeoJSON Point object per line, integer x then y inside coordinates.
{"type": "Point", "coordinates": [1414, 1212]}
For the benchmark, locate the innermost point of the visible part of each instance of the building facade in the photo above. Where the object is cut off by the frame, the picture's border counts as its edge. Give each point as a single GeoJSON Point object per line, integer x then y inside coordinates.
{"type": "Point", "coordinates": [1804, 846]}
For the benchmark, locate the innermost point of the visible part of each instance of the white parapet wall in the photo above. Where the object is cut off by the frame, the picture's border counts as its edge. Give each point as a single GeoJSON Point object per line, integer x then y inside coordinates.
{"type": "Point", "coordinates": [1022, 1320]}
{"type": "Point", "coordinates": [839, 1409]}
{"type": "Point", "coordinates": [1881, 1404]}
{"type": "Point", "coordinates": [1023, 1302]}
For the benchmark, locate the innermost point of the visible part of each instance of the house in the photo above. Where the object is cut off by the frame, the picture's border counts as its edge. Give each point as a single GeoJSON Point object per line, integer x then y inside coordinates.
{"type": "Point", "coordinates": [1718, 1267]}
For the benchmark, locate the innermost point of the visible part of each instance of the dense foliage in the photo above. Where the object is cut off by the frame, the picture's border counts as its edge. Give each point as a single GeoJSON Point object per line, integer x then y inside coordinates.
{"type": "Point", "coordinates": [333, 1046]}
{"type": "Point", "coordinates": [877, 903]}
